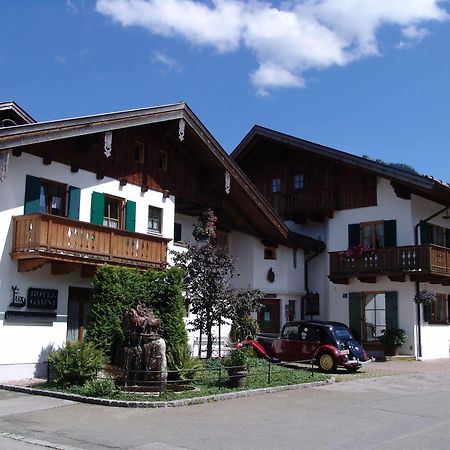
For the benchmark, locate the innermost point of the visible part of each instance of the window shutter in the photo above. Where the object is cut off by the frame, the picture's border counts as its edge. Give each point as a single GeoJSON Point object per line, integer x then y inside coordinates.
{"type": "Point", "coordinates": [391, 310]}
{"type": "Point", "coordinates": [97, 208]}
{"type": "Point", "coordinates": [448, 308]}
{"type": "Point", "coordinates": [130, 216]}
{"type": "Point", "coordinates": [426, 313]}
{"type": "Point", "coordinates": [447, 237]}
{"type": "Point", "coordinates": [354, 314]}
{"type": "Point", "coordinates": [425, 233]}
{"type": "Point", "coordinates": [32, 194]}
{"type": "Point", "coordinates": [390, 233]}
{"type": "Point", "coordinates": [73, 211]}
{"type": "Point", "coordinates": [177, 232]}
{"type": "Point", "coordinates": [354, 234]}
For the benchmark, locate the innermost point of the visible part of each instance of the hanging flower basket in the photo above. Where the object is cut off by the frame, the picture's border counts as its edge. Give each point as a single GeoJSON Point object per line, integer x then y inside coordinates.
{"type": "Point", "coordinates": [357, 251]}
{"type": "Point", "coordinates": [425, 297]}
{"type": "Point", "coordinates": [205, 228]}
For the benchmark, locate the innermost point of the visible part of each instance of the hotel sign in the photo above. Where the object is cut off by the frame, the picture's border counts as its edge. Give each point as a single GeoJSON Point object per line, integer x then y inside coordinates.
{"type": "Point", "coordinates": [42, 298]}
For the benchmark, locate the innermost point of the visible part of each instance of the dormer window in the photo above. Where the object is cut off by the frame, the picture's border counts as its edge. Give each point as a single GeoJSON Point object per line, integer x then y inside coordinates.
{"type": "Point", "coordinates": [276, 185]}
{"type": "Point", "coordinates": [299, 181]}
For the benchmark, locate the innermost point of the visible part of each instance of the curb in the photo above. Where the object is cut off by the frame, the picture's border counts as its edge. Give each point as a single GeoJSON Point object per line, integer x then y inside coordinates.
{"type": "Point", "coordinates": [167, 404]}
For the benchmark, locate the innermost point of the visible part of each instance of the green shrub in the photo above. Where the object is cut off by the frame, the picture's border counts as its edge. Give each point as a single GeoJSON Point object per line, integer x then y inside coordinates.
{"type": "Point", "coordinates": [105, 388]}
{"type": "Point", "coordinates": [117, 289]}
{"type": "Point", "coordinates": [242, 327]}
{"type": "Point", "coordinates": [76, 363]}
{"type": "Point", "coordinates": [191, 369]}
{"type": "Point", "coordinates": [238, 357]}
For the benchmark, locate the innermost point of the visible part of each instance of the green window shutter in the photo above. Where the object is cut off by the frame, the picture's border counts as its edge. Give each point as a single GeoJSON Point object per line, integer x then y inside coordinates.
{"type": "Point", "coordinates": [447, 238]}
{"type": "Point", "coordinates": [425, 233]}
{"type": "Point", "coordinates": [354, 314]}
{"type": "Point", "coordinates": [390, 233]}
{"type": "Point", "coordinates": [448, 308]}
{"type": "Point", "coordinates": [391, 310]}
{"type": "Point", "coordinates": [354, 234]}
{"type": "Point", "coordinates": [32, 194]}
{"type": "Point", "coordinates": [73, 211]}
{"type": "Point", "coordinates": [177, 232]}
{"type": "Point", "coordinates": [426, 313]}
{"type": "Point", "coordinates": [130, 216]}
{"type": "Point", "coordinates": [97, 208]}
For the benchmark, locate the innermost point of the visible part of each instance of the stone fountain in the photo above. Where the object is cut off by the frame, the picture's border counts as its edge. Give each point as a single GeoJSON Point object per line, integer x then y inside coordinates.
{"type": "Point", "coordinates": [144, 353]}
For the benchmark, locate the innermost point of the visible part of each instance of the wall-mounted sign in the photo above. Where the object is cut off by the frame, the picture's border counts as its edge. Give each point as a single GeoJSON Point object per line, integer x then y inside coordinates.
{"type": "Point", "coordinates": [20, 315]}
{"type": "Point", "coordinates": [17, 300]}
{"type": "Point", "coordinates": [42, 298]}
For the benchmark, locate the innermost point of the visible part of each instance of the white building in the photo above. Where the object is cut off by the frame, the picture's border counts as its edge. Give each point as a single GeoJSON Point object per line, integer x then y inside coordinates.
{"type": "Point", "coordinates": [119, 188]}
{"type": "Point", "coordinates": [399, 217]}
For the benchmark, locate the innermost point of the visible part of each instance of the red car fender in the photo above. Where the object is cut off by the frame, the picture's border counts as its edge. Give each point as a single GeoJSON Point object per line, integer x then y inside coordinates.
{"type": "Point", "coordinates": [259, 348]}
{"type": "Point", "coordinates": [331, 349]}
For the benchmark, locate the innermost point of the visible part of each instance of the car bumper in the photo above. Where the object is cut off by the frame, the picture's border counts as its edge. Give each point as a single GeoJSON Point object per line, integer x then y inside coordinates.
{"type": "Point", "coordinates": [356, 362]}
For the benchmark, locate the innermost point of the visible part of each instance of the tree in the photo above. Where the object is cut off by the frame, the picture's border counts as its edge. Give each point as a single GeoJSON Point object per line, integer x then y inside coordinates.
{"type": "Point", "coordinates": [209, 269]}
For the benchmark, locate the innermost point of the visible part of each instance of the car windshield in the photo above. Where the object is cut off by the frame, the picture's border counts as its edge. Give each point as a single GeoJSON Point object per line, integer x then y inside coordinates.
{"type": "Point", "coordinates": [342, 334]}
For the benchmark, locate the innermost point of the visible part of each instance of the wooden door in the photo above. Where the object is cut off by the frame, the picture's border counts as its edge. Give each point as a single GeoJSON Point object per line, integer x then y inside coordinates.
{"type": "Point", "coordinates": [269, 316]}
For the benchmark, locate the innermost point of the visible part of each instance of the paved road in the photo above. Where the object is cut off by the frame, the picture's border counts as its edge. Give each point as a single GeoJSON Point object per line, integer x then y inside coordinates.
{"type": "Point", "coordinates": [406, 411]}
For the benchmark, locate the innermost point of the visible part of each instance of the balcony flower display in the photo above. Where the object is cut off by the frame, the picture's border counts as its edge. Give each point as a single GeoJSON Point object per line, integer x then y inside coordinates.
{"type": "Point", "coordinates": [205, 228]}
{"type": "Point", "coordinates": [425, 297]}
{"type": "Point", "coordinates": [357, 251]}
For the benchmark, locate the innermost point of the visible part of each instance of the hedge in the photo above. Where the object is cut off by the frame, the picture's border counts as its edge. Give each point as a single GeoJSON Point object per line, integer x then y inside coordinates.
{"type": "Point", "coordinates": [117, 289]}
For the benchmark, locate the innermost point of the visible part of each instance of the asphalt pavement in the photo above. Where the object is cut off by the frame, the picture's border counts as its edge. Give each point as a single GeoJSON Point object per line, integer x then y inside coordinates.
{"type": "Point", "coordinates": [410, 410]}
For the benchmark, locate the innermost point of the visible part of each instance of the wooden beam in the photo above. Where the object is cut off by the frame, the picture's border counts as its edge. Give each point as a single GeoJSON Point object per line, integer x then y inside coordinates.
{"type": "Point", "coordinates": [367, 279]}
{"type": "Point", "coordinates": [88, 271]}
{"type": "Point", "coordinates": [401, 191]}
{"type": "Point", "coordinates": [63, 268]}
{"type": "Point", "coordinates": [342, 280]}
{"type": "Point", "coordinates": [28, 265]}
{"type": "Point", "coordinates": [400, 278]}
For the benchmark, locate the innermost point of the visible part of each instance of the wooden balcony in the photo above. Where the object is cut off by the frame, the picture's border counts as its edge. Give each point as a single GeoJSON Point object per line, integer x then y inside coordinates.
{"type": "Point", "coordinates": [318, 199]}
{"type": "Point", "coordinates": [68, 244]}
{"type": "Point", "coordinates": [429, 263]}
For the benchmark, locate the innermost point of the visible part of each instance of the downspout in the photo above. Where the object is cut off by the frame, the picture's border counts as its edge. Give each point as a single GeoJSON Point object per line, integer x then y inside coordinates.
{"type": "Point", "coordinates": [416, 242]}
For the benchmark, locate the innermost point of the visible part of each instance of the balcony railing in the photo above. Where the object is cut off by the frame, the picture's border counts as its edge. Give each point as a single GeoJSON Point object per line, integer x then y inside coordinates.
{"type": "Point", "coordinates": [318, 199]}
{"type": "Point", "coordinates": [55, 238]}
{"type": "Point", "coordinates": [422, 260]}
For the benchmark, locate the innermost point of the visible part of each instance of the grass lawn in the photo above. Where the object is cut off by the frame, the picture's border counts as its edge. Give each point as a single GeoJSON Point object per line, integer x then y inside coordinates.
{"type": "Point", "coordinates": [212, 379]}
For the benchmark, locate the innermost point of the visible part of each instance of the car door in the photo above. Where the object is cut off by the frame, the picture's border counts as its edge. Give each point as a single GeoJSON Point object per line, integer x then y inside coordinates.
{"type": "Point", "coordinates": [286, 347]}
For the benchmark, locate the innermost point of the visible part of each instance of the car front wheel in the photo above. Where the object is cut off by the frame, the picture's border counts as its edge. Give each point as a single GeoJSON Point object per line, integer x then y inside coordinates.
{"type": "Point", "coordinates": [326, 363]}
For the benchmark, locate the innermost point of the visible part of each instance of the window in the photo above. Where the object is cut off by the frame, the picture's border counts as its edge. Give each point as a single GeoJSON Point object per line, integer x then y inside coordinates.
{"type": "Point", "coordinates": [139, 152]}
{"type": "Point", "coordinates": [434, 234]}
{"type": "Point", "coordinates": [374, 310]}
{"type": "Point", "coordinates": [162, 161]}
{"type": "Point", "coordinates": [299, 182]}
{"type": "Point", "coordinates": [221, 238]}
{"type": "Point", "coordinates": [372, 234]}
{"type": "Point", "coordinates": [113, 212]}
{"type": "Point", "coordinates": [439, 310]}
{"type": "Point", "coordinates": [290, 332]}
{"type": "Point", "coordinates": [77, 312]}
{"type": "Point", "coordinates": [154, 219]}
{"type": "Point", "coordinates": [52, 198]}
{"type": "Point", "coordinates": [270, 253]}
{"type": "Point", "coordinates": [177, 228]}
{"type": "Point", "coordinates": [276, 185]}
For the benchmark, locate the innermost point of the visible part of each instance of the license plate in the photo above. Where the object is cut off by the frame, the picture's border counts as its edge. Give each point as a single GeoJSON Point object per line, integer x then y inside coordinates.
{"type": "Point", "coordinates": [344, 352]}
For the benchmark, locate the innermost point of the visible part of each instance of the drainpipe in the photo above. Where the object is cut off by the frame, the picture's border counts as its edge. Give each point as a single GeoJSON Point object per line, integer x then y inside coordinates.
{"type": "Point", "coordinates": [416, 242]}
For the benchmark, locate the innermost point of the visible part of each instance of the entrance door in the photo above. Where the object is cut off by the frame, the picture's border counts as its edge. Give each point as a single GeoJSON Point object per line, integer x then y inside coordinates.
{"type": "Point", "coordinates": [77, 311]}
{"type": "Point", "coordinates": [269, 316]}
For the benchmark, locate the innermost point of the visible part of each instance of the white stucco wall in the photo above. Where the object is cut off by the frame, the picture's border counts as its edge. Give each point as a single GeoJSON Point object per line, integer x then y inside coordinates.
{"type": "Point", "coordinates": [28, 341]}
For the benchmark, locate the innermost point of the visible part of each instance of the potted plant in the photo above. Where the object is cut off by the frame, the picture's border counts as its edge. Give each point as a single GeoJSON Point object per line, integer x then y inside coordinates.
{"type": "Point", "coordinates": [236, 364]}
{"type": "Point", "coordinates": [392, 339]}
{"type": "Point", "coordinates": [425, 297]}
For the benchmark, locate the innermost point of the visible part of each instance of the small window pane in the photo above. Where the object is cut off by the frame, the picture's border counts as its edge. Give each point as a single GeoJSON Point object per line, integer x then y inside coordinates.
{"type": "Point", "coordinates": [276, 185]}
{"type": "Point", "coordinates": [299, 182]}
{"type": "Point", "coordinates": [154, 220]}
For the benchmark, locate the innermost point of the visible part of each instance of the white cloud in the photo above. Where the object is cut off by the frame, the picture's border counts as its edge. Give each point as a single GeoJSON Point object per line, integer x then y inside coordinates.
{"type": "Point", "coordinates": [287, 38]}
{"type": "Point", "coordinates": [165, 60]}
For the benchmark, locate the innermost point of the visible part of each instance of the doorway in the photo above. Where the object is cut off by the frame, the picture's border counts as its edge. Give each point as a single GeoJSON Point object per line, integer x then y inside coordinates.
{"type": "Point", "coordinates": [77, 312]}
{"type": "Point", "coordinates": [269, 316]}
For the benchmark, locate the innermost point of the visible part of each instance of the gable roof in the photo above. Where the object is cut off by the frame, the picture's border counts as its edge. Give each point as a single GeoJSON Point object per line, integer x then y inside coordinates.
{"type": "Point", "coordinates": [11, 111]}
{"type": "Point", "coordinates": [251, 202]}
{"type": "Point", "coordinates": [425, 186]}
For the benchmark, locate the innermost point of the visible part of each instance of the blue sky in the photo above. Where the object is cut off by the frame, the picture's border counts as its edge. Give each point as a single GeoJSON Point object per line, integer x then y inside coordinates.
{"type": "Point", "coordinates": [362, 76]}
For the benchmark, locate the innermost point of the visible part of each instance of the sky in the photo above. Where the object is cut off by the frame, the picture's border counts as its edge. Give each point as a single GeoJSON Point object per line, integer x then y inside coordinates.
{"type": "Point", "coordinates": [369, 77]}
